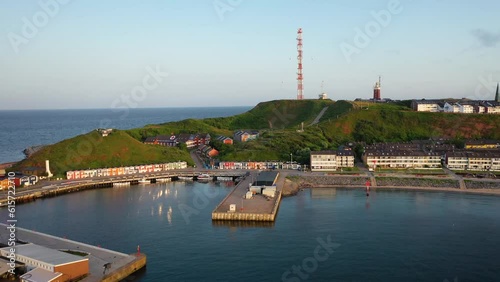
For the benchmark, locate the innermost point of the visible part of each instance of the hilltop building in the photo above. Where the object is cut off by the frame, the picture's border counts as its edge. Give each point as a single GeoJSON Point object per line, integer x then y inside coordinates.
{"type": "Point", "coordinates": [225, 140]}
{"type": "Point", "coordinates": [462, 106]}
{"type": "Point", "coordinates": [497, 95]}
{"type": "Point", "coordinates": [376, 90]}
{"type": "Point", "coordinates": [191, 140]}
{"type": "Point", "coordinates": [244, 136]}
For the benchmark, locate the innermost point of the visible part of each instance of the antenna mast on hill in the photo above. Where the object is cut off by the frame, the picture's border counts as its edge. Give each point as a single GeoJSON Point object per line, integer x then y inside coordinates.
{"type": "Point", "coordinates": [300, 83]}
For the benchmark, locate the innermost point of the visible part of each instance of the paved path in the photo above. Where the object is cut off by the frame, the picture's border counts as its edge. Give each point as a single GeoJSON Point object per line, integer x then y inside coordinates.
{"type": "Point", "coordinates": [320, 115]}
{"type": "Point", "coordinates": [196, 159]}
{"type": "Point", "coordinates": [456, 176]}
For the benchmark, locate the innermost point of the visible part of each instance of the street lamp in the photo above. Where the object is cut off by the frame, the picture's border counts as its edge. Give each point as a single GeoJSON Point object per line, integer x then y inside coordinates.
{"type": "Point", "coordinates": [291, 160]}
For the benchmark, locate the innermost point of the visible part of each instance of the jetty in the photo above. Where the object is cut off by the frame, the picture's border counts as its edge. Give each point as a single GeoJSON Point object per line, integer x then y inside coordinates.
{"type": "Point", "coordinates": [60, 187]}
{"type": "Point", "coordinates": [103, 264]}
{"type": "Point", "coordinates": [256, 198]}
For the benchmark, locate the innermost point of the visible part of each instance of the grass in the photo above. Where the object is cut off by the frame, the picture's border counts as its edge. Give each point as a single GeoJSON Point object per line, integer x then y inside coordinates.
{"type": "Point", "coordinates": [344, 122]}
{"type": "Point", "coordinates": [412, 171]}
{"type": "Point", "coordinates": [93, 151]}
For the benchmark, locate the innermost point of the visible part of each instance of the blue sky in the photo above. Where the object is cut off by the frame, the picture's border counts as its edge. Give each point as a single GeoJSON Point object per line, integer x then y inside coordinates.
{"type": "Point", "coordinates": [95, 54]}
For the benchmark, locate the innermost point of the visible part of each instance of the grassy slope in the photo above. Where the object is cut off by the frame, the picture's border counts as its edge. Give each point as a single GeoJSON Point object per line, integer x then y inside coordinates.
{"type": "Point", "coordinates": [93, 151]}
{"type": "Point", "coordinates": [342, 122]}
{"type": "Point", "coordinates": [279, 114]}
{"type": "Point", "coordinates": [382, 123]}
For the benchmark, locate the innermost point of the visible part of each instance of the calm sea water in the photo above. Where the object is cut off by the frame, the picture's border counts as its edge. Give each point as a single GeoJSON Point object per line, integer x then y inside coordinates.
{"type": "Point", "coordinates": [389, 236]}
{"type": "Point", "coordinates": [23, 128]}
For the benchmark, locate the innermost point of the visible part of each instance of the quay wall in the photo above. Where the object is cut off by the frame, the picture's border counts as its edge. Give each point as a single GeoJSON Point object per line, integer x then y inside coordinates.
{"type": "Point", "coordinates": [126, 270]}
{"type": "Point", "coordinates": [238, 216]}
{"type": "Point", "coordinates": [309, 181]}
{"type": "Point", "coordinates": [243, 216]}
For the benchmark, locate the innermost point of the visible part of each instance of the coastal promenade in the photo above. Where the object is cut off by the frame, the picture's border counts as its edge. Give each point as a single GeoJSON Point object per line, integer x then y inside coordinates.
{"type": "Point", "coordinates": [118, 265]}
{"type": "Point", "coordinates": [58, 187]}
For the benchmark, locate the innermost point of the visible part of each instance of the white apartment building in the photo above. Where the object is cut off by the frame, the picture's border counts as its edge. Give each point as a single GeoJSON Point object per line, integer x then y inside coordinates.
{"type": "Point", "coordinates": [401, 159]}
{"type": "Point", "coordinates": [451, 108]}
{"type": "Point", "coordinates": [476, 161]}
{"type": "Point", "coordinates": [331, 160]}
{"type": "Point", "coordinates": [466, 109]}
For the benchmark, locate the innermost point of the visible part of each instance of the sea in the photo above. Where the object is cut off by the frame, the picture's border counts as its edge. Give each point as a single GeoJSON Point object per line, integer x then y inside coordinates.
{"type": "Point", "coordinates": [335, 234]}
{"type": "Point", "coordinates": [328, 234]}
{"type": "Point", "coordinates": [20, 129]}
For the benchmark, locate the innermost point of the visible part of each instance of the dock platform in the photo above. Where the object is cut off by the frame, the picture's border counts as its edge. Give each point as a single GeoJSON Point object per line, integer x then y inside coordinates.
{"type": "Point", "coordinates": [258, 208]}
{"type": "Point", "coordinates": [120, 265]}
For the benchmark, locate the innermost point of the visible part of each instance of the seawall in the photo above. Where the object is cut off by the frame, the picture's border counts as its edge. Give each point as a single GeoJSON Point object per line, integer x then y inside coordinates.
{"type": "Point", "coordinates": [126, 270]}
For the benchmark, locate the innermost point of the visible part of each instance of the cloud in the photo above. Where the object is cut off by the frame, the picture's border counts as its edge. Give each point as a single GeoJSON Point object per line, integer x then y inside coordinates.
{"type": "Point", "coordinates": [486, 38]}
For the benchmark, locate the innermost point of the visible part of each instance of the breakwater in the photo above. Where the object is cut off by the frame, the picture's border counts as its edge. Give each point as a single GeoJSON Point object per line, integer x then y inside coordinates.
{"type": "Point", "coordinates": [257, 208]}
{"type": "Point", "coordinates": [297, 182]}
{"type": "Point", "coordinates": [28, 194]}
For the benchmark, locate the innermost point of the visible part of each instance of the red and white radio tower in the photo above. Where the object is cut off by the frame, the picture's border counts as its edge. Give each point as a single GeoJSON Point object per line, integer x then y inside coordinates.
{"type": "Point", "coordinates": [300, 82]}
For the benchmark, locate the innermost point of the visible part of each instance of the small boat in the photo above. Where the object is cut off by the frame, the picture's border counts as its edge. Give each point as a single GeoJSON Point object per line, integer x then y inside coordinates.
{"type": "Point", "coordinates": [162, 180]}
{"type": "Point", "coordinates": [187, 178]}
{"type": "Point", "coordinates": [144, 181]}
{"type": "Point", "coordinates": [204, 176]}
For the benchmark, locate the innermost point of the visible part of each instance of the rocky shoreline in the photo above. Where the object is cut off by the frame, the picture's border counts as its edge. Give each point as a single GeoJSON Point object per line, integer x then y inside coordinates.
{"type": "Point", "coordinates": [293, 184]}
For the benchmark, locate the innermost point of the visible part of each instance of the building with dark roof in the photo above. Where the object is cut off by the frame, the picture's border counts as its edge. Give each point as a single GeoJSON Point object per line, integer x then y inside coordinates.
{"type": "Point", "coordinates": [266, 178]}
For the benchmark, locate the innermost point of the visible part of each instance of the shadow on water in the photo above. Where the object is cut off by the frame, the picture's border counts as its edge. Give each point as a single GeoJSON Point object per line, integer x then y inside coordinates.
{"type": "Point", "coordinates": [243, 224]}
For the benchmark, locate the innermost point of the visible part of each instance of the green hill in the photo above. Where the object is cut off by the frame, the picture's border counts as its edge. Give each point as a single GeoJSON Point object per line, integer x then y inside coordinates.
{"type": "Point", "coordinates": [278, 123]}
{"type": "Point", "coordinates": [386, 122]}
{"type": "Point", "coordinates": [93, 151]}
{"type": "Point", "coordinates": [278, 114]}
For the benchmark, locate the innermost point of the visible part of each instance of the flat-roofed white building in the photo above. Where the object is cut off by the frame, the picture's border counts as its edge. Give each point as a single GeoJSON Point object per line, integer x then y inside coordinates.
{"type": "Point", "coordinates": [35, 256]}
{"type": "Point", "coordinates": [39, 274]}
{"type": "Point", "coordinates": [324, 161]}
{"type": "Point", "coordinates": [331, 160]}
{"type": "Point", "coordinates": [426, 106]}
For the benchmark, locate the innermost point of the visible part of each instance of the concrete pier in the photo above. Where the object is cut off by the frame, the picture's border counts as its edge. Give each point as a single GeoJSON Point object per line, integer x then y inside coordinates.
{"type": "Point", "coordinates": [120, 265]}
{"type": "Point", "coordinates": [258, 208]}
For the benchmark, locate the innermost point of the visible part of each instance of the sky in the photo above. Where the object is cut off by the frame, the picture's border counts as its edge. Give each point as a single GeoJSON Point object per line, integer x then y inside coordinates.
{"type": "Point", "coordinates": [64, 54]}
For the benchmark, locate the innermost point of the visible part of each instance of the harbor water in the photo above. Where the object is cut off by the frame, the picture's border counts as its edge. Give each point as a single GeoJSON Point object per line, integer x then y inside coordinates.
{"type": "Point", "coordinates": [319, 235]}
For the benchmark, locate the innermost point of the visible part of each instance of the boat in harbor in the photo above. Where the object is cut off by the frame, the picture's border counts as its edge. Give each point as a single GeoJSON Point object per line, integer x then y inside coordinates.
{"type": "Point", "coordinates": [204, 177]}
{"type": "Point", "coordinates": [162, 180]}
{"type": "Point", "coordinates": [186, 178]}
{"type": "Point", "coordinates": [144, 181]}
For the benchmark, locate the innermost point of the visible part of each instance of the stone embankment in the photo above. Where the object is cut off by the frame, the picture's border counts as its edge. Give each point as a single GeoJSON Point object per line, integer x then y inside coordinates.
{"type": "Point", "coordinates": [295, 183]}
{"type": "Point", "coordinates": [416, 182]}
{"type": "Point", "coordinates": [473, 184]}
